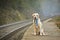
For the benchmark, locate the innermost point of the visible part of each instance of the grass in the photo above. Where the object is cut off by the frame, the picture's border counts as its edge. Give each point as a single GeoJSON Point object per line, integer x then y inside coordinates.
{"type": "Point", "coordinates": [10, 16]}
{"type": "Point", "coordinates": [57, 21]}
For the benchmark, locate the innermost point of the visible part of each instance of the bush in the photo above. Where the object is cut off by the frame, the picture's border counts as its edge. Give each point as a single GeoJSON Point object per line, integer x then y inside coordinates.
{"type": "Point", "coordinates": [57, 21]}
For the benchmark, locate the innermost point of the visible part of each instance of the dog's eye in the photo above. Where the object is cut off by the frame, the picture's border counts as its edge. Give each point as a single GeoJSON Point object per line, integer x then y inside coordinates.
{"type": "Point", "coordinates": [34, 15]}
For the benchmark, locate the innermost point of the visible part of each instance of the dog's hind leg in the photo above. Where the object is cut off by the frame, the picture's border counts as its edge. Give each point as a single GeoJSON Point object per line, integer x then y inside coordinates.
{"type": "Point", "coordinates": [42, 31]}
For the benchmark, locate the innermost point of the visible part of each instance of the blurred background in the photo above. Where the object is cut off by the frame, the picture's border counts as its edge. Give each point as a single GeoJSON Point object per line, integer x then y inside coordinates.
{"type": "Point", "coordinates": [17, 10]}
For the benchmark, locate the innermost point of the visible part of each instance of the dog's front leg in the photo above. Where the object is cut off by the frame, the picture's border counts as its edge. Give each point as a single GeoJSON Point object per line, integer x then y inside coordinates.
{"type": "Point", "coordinates": [34, 26]}
{"type": "Point", "coordinates": [34, 29]}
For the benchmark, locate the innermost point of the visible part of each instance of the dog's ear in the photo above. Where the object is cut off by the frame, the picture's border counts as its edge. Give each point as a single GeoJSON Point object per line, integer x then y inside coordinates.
{"type": "Point", "coordinates": [39, 16]}
{"type": "Point", "coordinates": [32, 14]}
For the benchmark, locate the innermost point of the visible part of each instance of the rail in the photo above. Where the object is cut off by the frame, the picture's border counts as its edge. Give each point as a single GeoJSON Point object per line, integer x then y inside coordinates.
{"type": "Point", "coordinates": [14, 28]}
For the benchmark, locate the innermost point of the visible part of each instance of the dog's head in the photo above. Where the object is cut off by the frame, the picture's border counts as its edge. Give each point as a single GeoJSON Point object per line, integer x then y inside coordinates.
{"type": "Point", "coordinates": [35, 15]}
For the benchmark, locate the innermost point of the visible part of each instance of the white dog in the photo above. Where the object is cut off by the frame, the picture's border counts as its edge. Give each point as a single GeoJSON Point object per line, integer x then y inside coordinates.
{"type": "Point", "coordinates": [37, 24]}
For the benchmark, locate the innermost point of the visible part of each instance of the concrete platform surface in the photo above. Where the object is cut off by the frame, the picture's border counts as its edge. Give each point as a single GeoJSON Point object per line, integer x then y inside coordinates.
{"type": "Point", "coordinates": [50, 28]}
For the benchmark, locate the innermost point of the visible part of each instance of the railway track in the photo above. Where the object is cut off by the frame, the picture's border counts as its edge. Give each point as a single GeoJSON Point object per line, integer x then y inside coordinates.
{"type": "Point", "coordinates": [7, 31]}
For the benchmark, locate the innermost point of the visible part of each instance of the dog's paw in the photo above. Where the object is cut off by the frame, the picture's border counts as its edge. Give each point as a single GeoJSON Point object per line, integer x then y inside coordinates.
{"type": "Point", "coordinates": [41, 34]}
{"type": "Point", "coordinates": [44, 34]}
{"type": "Point", "coordinates": [34, 33]}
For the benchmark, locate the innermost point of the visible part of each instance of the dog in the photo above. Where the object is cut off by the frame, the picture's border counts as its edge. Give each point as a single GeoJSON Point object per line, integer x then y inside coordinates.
{"type": "Point", "coordinates": [37, 24]}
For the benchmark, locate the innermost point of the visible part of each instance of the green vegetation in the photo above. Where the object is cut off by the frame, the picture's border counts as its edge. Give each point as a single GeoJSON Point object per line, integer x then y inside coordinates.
{"type": "Point", "coordinates": [17, 10]}
{"type": "Point", "coordinates": [9, 16]}
{"type": "Point", "coordinates": [57, 21]}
